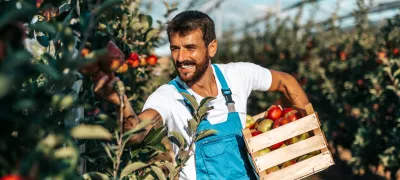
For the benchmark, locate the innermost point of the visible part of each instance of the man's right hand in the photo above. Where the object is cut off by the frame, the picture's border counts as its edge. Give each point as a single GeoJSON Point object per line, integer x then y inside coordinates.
{"type": "Point", "coordinates": [104, 87]}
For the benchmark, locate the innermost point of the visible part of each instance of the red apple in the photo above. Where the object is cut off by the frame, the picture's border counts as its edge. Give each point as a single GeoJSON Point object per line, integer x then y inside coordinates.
{"type": "Point", "coordinates": [152, 60]}
{"type": "Point", "coordinates": [288, 163]}
{"type": "Point", "coordinates": [276, 146]}
{"type": "Point", "coordinates": [277, 123]}
{"type": "Point", "coordinates": [113, 59]}
{"type": "Point", "coordinates": [274, 112]}
{"type": "Point", "coordinates": [293, 115]}
{"type": "Point", "coordinates": [255, 133]}
{"type": "Point", "coordinates": [11, 177]}
{"type": "Point", "coordinates": [286, 110]}
{"type": "Point", "coordinates": [265, 125]}
{"type": "Point", "coordinates": [284, 120]}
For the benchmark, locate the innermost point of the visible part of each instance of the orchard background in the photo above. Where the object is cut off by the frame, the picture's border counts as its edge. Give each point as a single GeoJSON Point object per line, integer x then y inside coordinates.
{"type": "Point", "coordinates": [52, 125]}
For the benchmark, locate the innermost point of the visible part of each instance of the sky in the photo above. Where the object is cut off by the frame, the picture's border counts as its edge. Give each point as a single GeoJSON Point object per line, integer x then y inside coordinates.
{"type": "Point", "coordinates": [238, 12]}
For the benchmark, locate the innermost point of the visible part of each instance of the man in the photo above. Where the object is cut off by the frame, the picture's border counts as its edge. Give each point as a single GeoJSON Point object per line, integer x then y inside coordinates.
{"type": "Point", "coordinates": [193, 44]}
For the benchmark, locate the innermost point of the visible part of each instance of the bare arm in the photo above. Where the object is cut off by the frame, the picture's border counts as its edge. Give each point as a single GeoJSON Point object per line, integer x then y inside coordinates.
{"type": "Point", "coordinates": [288, 85]}
{"type": "Point", "coordinates": [104, 90]}
{"type": "Point", "coordinates": [131, 122]}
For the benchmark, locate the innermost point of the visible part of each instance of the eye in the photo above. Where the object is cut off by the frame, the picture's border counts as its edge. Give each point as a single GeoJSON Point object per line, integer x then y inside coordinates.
{"type": "Point", "coordinates": [174, 49]}
{"type": "Point", "coordinates": [191, 48]}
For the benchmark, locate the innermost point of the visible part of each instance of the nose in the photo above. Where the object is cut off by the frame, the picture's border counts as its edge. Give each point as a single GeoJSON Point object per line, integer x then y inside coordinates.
{"type": "Point", "coordinates": [182, 55]}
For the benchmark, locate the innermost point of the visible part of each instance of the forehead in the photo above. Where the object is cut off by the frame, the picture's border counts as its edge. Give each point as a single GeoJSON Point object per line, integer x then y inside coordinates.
{"type": "Point", "coordinates": [195, 36]}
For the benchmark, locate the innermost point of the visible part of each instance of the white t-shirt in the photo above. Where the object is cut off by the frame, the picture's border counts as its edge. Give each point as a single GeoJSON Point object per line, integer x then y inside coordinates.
{"type": "Point", "coordinates": [241, 77]}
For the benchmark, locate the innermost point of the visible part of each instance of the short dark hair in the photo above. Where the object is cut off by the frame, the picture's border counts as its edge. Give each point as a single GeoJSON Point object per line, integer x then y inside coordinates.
{"type": "Point", "coordinates": [188, 21]}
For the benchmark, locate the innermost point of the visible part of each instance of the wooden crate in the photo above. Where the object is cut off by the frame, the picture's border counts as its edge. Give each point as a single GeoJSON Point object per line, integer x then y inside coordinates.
{"type": "Point", "coordinates": [300, 169]}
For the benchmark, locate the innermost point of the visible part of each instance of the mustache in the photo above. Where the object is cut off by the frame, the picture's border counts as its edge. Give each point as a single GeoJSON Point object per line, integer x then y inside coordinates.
{"type": "Point", "coordinates": [185, 62]}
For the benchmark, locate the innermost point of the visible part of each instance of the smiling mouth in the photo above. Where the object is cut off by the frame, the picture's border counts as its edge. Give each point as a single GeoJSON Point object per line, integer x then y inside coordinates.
{"type": "Point", "coordinates": [186, 64]}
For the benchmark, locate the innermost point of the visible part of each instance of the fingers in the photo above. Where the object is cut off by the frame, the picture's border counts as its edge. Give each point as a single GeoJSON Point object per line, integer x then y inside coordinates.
{"type": "Point", "coordinates": [100, 83]}
{"type": "Point", "coordinates": [110, 85]}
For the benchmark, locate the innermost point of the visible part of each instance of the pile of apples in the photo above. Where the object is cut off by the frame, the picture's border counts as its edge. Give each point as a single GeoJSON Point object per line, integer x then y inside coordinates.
{"type": "Point", "coordinates": [273, 118]}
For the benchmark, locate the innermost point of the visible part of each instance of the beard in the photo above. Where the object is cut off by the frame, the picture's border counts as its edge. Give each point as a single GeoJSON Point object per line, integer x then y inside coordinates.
{"type": "Point", "coordinates": [200, 69]}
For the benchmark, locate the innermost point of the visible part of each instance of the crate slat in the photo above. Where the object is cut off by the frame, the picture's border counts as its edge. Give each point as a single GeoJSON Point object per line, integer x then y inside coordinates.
{"type": "Point", "coordinates": [303, 168]}
{"type": "Point", "coordinates": [289, 152]}
{"type": "Point", "coordinates": [282, 133]}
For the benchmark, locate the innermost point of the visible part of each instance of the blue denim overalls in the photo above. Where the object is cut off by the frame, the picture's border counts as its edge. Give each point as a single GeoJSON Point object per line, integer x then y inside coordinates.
{"type": "Point", "coordinates": [222, 155]}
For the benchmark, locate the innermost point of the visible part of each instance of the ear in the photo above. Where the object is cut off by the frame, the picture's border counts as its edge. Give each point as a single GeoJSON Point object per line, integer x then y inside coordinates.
{"type": "Point", "coordinates": [212, 48]}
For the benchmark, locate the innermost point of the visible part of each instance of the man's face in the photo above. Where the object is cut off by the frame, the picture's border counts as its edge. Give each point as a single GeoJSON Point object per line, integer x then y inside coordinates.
{"type": "Point", "coordinates": [190, 55]}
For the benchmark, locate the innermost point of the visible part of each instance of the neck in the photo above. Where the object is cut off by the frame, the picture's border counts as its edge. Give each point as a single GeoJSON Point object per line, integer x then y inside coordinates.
{"type": "Point", "coordinates": [206, 85]}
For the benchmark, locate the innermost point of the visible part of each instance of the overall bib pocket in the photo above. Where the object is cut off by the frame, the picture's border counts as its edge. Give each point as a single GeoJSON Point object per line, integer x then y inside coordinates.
{"type": "Point", "coordinates": [219, 155]}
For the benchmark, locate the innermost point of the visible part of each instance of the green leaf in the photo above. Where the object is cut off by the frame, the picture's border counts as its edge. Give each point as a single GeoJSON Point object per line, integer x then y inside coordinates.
{"type": "Point", "coordinates": [146, 21]}
{"type": "Point", "coordinates": [152, 33]}
{"type": "Point", "coordinates": [139, 127]}
{"type": "Point", "coordinates": [64, 8]}
{"type": "Point", "coordinates": [205, 133]}
{"type": "Point", "coordinates": [44, 27]}
{"type": "Point", "coordinates": [65, 152]}
{"type": "Point", "coordinates": [158, 147]}
{"type": "Point", "coordinates": [206, 100]}
{"type": "Point", "coordinates": [203, 111]}
{"type": "Point", "coordinates": [108, 151]}
{"type": "Point", "coordinates": [158, 172]}
{"type": "Point", "coordinates": [193, 124]}
{"type": "Point", "coordinates": [132, 167]}
{"type": "Point", "coordinates": [136, 26]}
{"type": "Point", "coordinates": [191, 99]}
{"type": "Point", "coordinates": [388, 70]}
{"type": "Point", "coordinates": [397, 72]}
{"type": "Point", "coordinates": [90, 132]}
{"type": "Point", "coordinates": [67, 101]}
{"type": "Point", "coordinates": [95, 175]}
{"type": "Point", "coordinates": [43, 40]}
{"type": "Point", "coordinates": [135, 152]}
{"type": "Point", "coordinates": [178, 136]}
{"type": "Point", "coordinates": [155, 137]}
{"type": "Point", "coordinates": [169, 165]}
{"type": "Point", "coordinates": [391, 87]}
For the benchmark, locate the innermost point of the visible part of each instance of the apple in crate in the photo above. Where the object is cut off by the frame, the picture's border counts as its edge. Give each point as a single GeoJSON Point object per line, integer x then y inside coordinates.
{"type": "Point", "coordinates": [265, 125]}
{"type": "Point", "coordinates": [250, 122]}
{"type": "Point", "coordinates": [286, 110]}
{"type": "Point", "coordinates": [263, 151]}
{"type": "Point", "coordinates": [304, 157]}
{"type": "Point", "coordinates": [272, 169]}
{"type": "Point", "coordinates": [288, 163]}
{"type": "Point", "coordinates": [274, 112]}
{"type": "Point", "coordinates": [255, 133]}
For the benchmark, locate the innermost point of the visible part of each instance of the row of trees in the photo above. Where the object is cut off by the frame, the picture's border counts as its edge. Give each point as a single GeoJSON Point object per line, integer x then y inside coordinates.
{"type": "Point", "coordinates": [351, 76]}
{"type": "Point", "coordinates": [52, 125]}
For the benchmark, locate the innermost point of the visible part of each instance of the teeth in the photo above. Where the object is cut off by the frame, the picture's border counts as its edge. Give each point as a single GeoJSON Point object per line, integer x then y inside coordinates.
{"type": "Point", "coordinates": [187, 66]}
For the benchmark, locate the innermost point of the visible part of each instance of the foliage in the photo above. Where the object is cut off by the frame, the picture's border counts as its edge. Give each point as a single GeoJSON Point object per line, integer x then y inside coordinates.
{"type": "Point", "coordinates": [351, 76]}
{"type": "Point", "coordinates": [49, 113]}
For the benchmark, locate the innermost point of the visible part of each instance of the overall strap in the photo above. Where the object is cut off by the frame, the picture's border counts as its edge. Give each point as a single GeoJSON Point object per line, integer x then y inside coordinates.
{"type": "Point", "coordinates": [180, 89]}
{"type": "Point", "coordinates": [226, 91]}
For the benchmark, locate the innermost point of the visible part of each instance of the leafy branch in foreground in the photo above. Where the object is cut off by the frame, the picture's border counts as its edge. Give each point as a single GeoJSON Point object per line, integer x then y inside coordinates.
{"type": "Point", "coordinates": [199, 113]}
